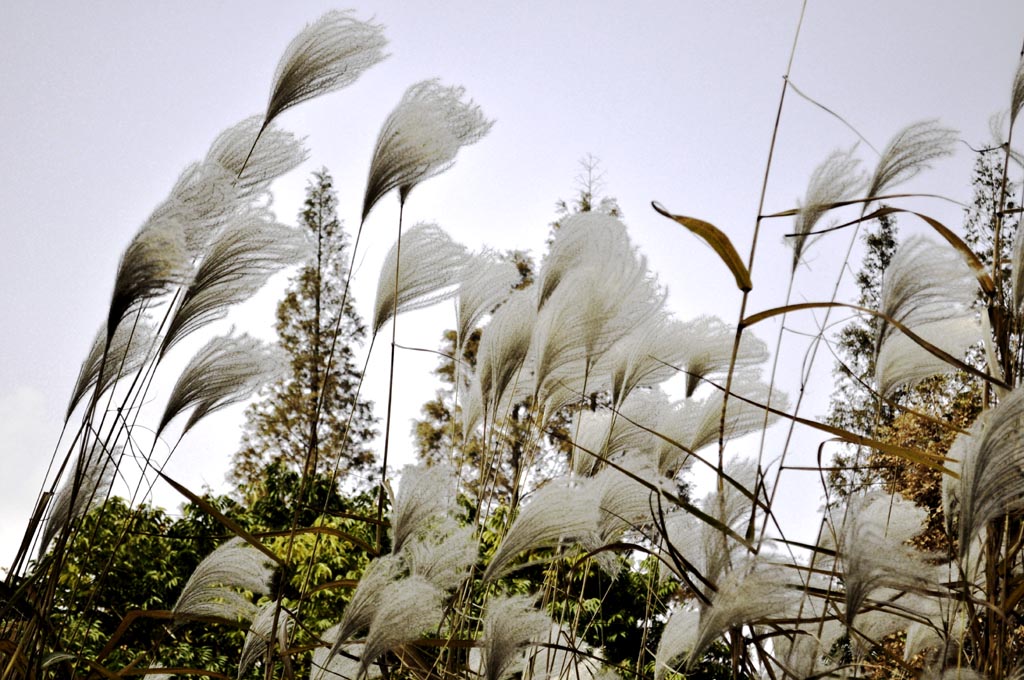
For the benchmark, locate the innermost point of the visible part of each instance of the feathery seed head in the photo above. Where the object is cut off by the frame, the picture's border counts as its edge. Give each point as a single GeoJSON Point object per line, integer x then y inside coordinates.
{"type": "Point", "coordinates": [127, 352]}
{"type": "Point", "coordinates": [835, 179]}
{"type": "Point", "coordinates": [276, 152]}
{"type": "Point", "coordinates": [910, 152]}
{"type": "Point", "coordinates": [510, 624]}
{"type": "Point", "coordinates": [1017, 96]}
{"type": "Point", "coordinates": [95, 479]}
{"type": "Point", "coordinates": [225, 371]}
{"type": "Point", "coordinates": [429, 266]}
{"type": "Point", "coordinates": [408, 607]}
{"type": "Point", "coordinates": [210, 590]}
{"type": "Point", "coordinates": [326, 55]}
{"type": "Point", "coordinates": [421, 138]}
{"type": "Point", "coordinates": [424, 494]}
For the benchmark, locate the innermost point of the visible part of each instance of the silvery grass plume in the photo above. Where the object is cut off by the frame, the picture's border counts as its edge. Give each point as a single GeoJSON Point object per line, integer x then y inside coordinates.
{"type": "Point", "coordinates": [991, 477]}
{"type": "Point", "coordinates": [836, 179]}
{"type": "Point", "coordinates": [443, 554]}
{"type": "Point", "coordinates": [564, 656]}
{"type": "Point", "coordinates": [747, 595]}
{"type": "Point", "coordinates": [703, 546]}
{"type": "Point", "coordinates": [275, 153]}
{"type": "Point", "coordinates": [429, 267]}
{"type": "Point", "coordinates": [154, 263]}
{"type": "Point", "coordinates": [611, 434]}
{"type": "Point", "coordinates": [486, 283]}
{"type": "Point", "coordinates": [909, 153]}
{"type": "Point", "coordinates": [366, 598]}
{"type": "Point", "coordinates": [591, 309]}
{"type": "Point", "coordinates": [707, 342]}
{"type": "Point", "coordinates": [408, 607]}
{"type": "Point", "coordinates": [503, 348]}
{"type": "Point", "coordinates": [511, 623]}
{"type": "Point", "coordinates": [257, 639]}
{"type": "Point", "coordinates": [677, 638]}
{"type": "Point", "coordinates": [646, 356]}
{"type": "Point", "coordinates": [128, 351]}
{"type": "Point", "coordinates": [325, 56]}
{"type": "Point", "coordinates": [874, 551]}
{"type": "Point", "coordinates": [95, 476]}
{"type": "Point", "coordinates": [557, 513]}
{"type": "Point", "coordinates": [700, 420]}
{"type": "Point", "coordinates": [586, 237]}
{"type": "Point", "coordinates": [1017, 96]}
{"type": "Point", "coordinates": [225, 371]}
{"type": "Point", "coordinates": [211, 193]}
{"type": "Point", "coordinates": [928, 289]}
{"type": "Point", "coordinates": [211, 589]}
{"type": "Point", "coordinates": [1017, 276]}
{"type": "Point", "coordinates": [426, 493]}
{"type": "Point", "coordinates": [421, 138]}
{"type": "Point", "coordinates": [344, 665]}
{"type": "Point", "coordinates": [623, 503]}
{"type": "Point", "coordinates": [241, 258]}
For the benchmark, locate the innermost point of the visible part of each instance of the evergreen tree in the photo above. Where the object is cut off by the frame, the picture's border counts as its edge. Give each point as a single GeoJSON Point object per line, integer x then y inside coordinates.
{"type": "Point", "coordinates": [312, 420]}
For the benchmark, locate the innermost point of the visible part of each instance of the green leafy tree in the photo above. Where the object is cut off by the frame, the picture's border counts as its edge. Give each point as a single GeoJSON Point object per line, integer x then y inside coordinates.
{"type": "Point", "coordinates": [312, 419]}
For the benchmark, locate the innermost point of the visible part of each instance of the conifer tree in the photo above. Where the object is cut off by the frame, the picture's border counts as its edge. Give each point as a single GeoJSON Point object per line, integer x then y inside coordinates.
{"type": "Point", "coordinates": [288, 426]}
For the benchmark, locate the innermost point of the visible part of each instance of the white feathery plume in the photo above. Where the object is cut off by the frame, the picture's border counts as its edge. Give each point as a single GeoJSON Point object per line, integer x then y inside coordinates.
{"type": "Point", "coordinates": [703, 545]}
{"type": "Point", "coordinates": [211, 589]}
{"type": "Point", "coordinates": [239, 261]}
{"type": "Point", "coordinates": [623, 503]}
{"type": "Point", "coordinates": [339, 665]}
{"type": "Point", "coordinates": [646, 356]}
{"type": "Point", "coordinates": [1017, 277]}
{"type": "Point", "coordinates": [225, 371]}
{"type": "Point", "coordinates": [610, 434]}
{"type": "Point", "coordinates": [992, 469]}
{"type": "Point", "coordinates": [503, 348]}
{"type": "Point", "coordinates": [425, 493]}
{"type": "Point", "coordinates": [367, 597]}
{"type": "Point", "coordinates": [582, 239]}
{"type": "Point", "coordinates": [707, 342]}
{"type": "Point", "coordinates": [201, 201]}
{"type": "Point", "coordinates": [443, 556]}
{"type": "Point", "coordinates": [486, 283]}
{"type": "Point", "coordinates": [874, 551]}
{"type": "Point", "coordinates": [152, 264]}
{"type": "Point", "coordinates": [276, 153]}
{"type": "Point", "coordinates": [257, 639]}
{"type": "Point", "coordinates": [928, 289]}
{"type": "Point", "coordinates": [128, 351]}
{"type": "Point", "coordinates": [68, 505]}
{"type": "Point", "coordinates": [701, 419]}
{"type": "Point", "coordinates": [836, 179]}
{"type": "Point", "coordinates": [593, 307]}
{"type": "Point", "coordinates": [677, 638]}
{"type": "Point", "coordinates": [428, 269]}
{"type": "Point", "coordinates": [909, 152]}
{"type": "Point", "coordinates": [407, 609]}
{"type": "Point", "coordinates": [556, 513]}
{"type": "Point", "coordinates": [510, 624]}
{"type": "Point", "coordinates": [745, 596]}
{"type": "Point", "coordinates": [325, 56]}
{"type": "Point", "coordinates": [421, 138]}
{"type": "Point", "coordinates": [1017, 95]}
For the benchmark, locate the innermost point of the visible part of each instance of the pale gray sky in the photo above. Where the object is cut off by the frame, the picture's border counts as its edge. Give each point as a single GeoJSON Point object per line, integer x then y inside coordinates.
{"type": "Point", "coordinates": [106, 102]}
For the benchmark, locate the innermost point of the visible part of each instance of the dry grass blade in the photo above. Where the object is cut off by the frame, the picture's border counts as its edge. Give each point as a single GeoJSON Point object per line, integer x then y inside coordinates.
{"type": "Point", "coordinates": [225, 371]}
{"type": "Point", "coordinates": [325, 56]}
{"type": "Point", "coordinates": [718, 241]}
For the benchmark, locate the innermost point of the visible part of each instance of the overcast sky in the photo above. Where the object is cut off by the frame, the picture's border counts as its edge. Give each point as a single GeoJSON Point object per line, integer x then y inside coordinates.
{"type": "Point", "coordinates": [106, 102]}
